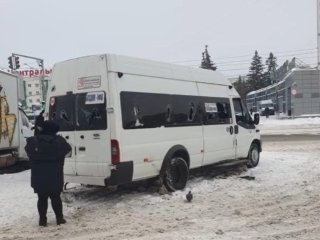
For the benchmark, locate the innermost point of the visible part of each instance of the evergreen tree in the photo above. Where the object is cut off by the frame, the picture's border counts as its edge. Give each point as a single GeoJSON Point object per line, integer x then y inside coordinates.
{"type": "Point", "coordinates": [256, 76]}
{"type": "Point", "coordinates": [271, 64]}
{"type": "Point", "coordinates": [206, 62]}
{"type": "Point", "coordinates": [241, 87]}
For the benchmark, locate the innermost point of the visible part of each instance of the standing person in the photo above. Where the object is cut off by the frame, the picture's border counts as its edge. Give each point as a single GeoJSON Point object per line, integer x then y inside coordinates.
{"type": "Point", "coordinates": [46, 152]}
{"type": "Point", "coordinates": [267, 112]}
{"type": "Point", "coordinates": [38, 123]}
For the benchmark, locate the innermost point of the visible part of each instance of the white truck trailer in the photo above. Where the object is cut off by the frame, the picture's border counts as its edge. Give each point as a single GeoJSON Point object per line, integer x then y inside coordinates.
{"type": "Point", "coordinates": [14, 125]}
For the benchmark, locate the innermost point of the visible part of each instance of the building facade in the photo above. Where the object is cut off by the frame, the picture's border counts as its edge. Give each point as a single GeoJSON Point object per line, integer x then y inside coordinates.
{"type": "Point", "coordinates": [32, 88]}
{"type": "Point", "coordinates": [298, 93]}
{"type": "Point", "coordinates": [32, 92]}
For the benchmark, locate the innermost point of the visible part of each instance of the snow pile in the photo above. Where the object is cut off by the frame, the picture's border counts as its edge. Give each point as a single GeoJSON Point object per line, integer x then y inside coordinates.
{"type": "Point", "coordinates": [271, 125]}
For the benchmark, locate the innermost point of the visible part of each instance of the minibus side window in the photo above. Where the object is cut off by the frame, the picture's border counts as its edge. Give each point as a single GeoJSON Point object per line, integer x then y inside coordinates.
{"type": "Point", "coordinates": [142, 110]}
{"type": "Point", "coordinates": [241, 112]}
{"type": "Point", "coordinates": [91, 111]}
{"type": "Point", "coordinates": [169, 113]}
{"type": "Point", "coordinates": [224, 112]}
{"type": "Point", "coordinates": [216, 111]}
{"type": "Point", "coordinates": [151, 110]}
{"type": "Point", "coordinates": [238, 110]}
{"type": "Point", "coordinates": [61, 111]}
{"type": "Point", "coordinates": [185, 110]}
{"type": "Point", "coordinates": [192, 112]}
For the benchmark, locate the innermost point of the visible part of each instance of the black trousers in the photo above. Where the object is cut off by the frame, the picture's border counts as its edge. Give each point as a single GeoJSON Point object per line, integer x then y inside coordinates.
{"type": "Point", "coordinates": [55, 202]}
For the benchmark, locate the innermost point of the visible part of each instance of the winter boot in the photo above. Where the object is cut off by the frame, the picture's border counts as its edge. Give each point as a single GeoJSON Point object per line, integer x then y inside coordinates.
{"type": "Point", "coordinates": [61, 221]}
{"type": "Point", "coordinates": [43, 222]}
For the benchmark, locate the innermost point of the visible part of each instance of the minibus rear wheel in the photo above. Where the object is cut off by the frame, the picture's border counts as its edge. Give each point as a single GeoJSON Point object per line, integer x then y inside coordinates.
{"type": "Point", "coordinates": [254, 156]}
{"type": "Point", "coordinates": [176, 174]}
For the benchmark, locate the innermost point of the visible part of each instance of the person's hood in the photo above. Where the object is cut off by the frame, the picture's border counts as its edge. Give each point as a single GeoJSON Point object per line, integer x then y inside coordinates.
{"type": "Point", "coordinates": [49, 128]}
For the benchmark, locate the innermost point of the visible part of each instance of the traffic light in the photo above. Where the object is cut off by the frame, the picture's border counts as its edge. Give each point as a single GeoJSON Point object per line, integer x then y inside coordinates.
{"type": "Point", "coordinates": [17, 62]}
{"type": "Point", "coordinates": [10, 63]}
{"type": "Point", "coordinates": [40, 63]}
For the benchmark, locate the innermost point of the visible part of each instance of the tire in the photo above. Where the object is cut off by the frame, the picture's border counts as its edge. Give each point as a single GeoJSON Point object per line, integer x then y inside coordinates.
{"type": "Point", "coordinates": [253, 156]}
{"type": "Point", "coordinates": [176, 174]}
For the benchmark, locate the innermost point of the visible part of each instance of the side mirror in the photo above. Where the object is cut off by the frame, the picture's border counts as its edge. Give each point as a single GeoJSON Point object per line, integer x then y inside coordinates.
{"type": "Point", "coordinates": [256, 118]}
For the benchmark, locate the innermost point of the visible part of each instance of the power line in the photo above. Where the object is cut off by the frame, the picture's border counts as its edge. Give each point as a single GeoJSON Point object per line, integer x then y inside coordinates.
{"type": "Point", "coordinates": [242, 56]}
{"type": "Point", "coordinates": [235, 69]}
{"type": "Point", "coordinates": [237, 75]}
{"type": "Point", "coordinates": [248, 62]}
{"type": "Point", "coordinates": [238, 62]}
{"type": "Point", "coordinates": [309, 56]}
{"type": "Point", "coordinates": [276, 53]}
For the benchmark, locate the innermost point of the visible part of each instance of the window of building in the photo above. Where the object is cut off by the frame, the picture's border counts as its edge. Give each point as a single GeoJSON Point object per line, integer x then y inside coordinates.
{"type": "Point", "coordinates": [30, 93]}
{"type": "Point", "coordinates": [30, 100]}
{"type": "Point", "coordinates": [37, 92]}
{"type": "Point", "coordinates": [315, 95]}
{"type": "Point", "coordinates": [29, 85]}
{"type": "Point", "coordinates": [36, 85]}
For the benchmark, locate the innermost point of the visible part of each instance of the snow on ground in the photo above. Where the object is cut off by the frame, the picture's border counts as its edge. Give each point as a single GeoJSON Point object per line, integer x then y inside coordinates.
{"type": "Point", "coordinates": [275, 126]}
{"type": "Point", "coordinates": [281, 203]}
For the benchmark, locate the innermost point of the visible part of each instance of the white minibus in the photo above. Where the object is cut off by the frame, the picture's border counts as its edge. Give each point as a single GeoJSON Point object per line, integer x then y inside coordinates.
{"type": "Point", "coordinates": [129, 119]}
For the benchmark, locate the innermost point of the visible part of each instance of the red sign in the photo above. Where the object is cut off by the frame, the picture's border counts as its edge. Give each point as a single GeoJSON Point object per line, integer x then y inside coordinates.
{"type": "Point", "coordinates": [34, 72]}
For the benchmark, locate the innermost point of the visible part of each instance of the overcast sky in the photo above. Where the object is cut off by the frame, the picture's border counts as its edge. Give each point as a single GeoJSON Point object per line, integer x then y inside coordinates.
{"type": "Point", "coordinates": [165, 30]}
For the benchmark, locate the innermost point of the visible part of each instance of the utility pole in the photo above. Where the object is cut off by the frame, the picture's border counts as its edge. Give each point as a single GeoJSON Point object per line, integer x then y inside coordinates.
{"type": "Point", "coordinates": [318, 32]}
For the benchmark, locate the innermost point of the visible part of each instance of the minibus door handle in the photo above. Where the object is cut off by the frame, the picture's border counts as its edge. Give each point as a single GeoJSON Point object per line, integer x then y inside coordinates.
{"type": "Point", "coordinates": [231, 130]}
{"type": "Point", "coordinates": [236, 129]}
{"type": "Point", "coordinates": [82, 148]}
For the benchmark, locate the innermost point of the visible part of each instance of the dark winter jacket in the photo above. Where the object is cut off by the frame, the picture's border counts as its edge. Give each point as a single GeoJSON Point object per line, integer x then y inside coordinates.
{"type": "Point", "coordinates": [38, 125]}
{"type": "Point", "coordinates": [46, 154]}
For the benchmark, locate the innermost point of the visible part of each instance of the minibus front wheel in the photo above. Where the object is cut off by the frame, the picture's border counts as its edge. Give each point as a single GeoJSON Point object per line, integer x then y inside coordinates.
{"type": "Point", "coordinates": [176, 174]}
{"type": "Point", "coordinates": [253, 156]}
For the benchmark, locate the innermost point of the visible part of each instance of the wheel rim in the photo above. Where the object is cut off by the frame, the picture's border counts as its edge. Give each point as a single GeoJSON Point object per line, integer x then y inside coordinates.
{"type": "Point", "coordinates": [254, 155]}
{"type": "Point", "coordinates": [176, 174]}
{"type": "Point", "coordinates": [172, 174]}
